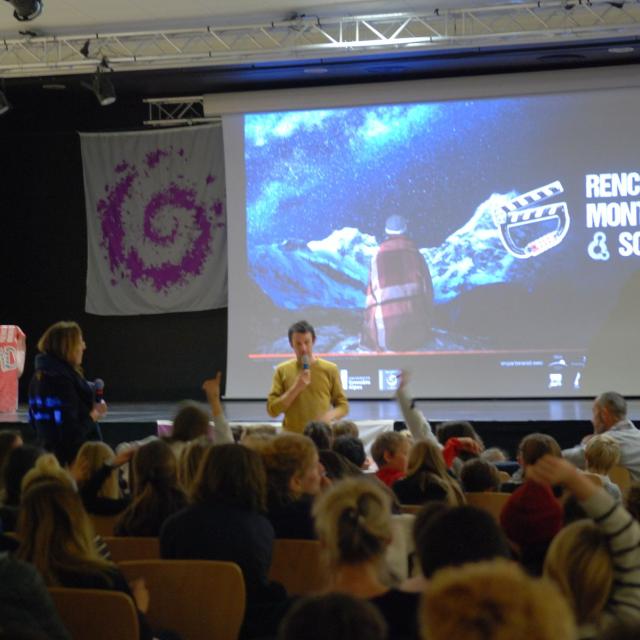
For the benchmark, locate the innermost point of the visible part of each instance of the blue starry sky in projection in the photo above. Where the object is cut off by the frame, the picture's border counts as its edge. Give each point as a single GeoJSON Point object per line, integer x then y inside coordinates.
{"type": "Point", "coordinates": [309, 172]}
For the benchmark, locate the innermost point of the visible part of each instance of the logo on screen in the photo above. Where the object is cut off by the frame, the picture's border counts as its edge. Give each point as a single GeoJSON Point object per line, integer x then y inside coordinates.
{"type": "Point", "coordinates": [528, 229]}
{"type": "Point", "coordinates": [389, 379]}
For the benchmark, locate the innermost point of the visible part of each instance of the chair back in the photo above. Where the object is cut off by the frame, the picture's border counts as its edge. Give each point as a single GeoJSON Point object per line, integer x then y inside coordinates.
{"type": "Point", "coordinates": [104, 525]}
{"type": "Point", "coordinates": [490, 501]}
{"type": "Point", "coordinates": [298, 566]}
{"type": "Point", "coordinates": [198, 599]}
{"type": "Point", "coordinates": [620, 475]}
{"type": "Point", "coordinates": [96, 614]}
{"type": "Point", "coordinates": [123, 548]}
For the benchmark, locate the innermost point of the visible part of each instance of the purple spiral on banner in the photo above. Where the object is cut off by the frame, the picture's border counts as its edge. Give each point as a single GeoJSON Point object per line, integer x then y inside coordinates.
{"type": "Point", "coordinates": [171, 204]}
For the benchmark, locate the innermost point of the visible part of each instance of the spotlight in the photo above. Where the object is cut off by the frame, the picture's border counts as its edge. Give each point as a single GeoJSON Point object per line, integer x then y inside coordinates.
{"type": "Point", "coordinates": [101, 86]}
{"type": "Point", "coordinates": [26, 10]}
{"type": "Point", "coordinates": [4, 104]}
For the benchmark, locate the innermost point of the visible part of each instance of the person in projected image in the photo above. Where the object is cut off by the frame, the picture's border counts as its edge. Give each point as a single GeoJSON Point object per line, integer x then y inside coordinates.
{"type": "Point", "coordinates": [306, 388]}
{"type": "Point", "coordinates": [399, 307]}
{"type": "Point", "coordinates": [610, 417]}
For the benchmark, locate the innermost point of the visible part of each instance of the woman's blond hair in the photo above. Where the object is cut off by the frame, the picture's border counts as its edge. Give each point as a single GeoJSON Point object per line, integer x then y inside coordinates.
{"type": "Point", "coordinates": [285, 457]}
{"type": "Point", "coordinates": [427, 463]}
{"type": "Point", "coordinates": [353, 521]}
{"type": "Point", "coordinates": [496, 600]}
{"type": "Point", "coordinates": [55, 533]}
{"type": "Point", "coordinates": [96, 454]}
{"type": "Point", "coordinates": [46, 468]}
{"type": "Point", "coordinates": [189, 462]}
{"type": "Point", "coordinates": [580, 563]}
{"type": "Point", "coordinates": [60, 339]}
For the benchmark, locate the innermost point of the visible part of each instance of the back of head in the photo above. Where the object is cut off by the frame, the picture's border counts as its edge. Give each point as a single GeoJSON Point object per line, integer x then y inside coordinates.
{"type": "Point", "coordinates": [353, 521]}
{"type": "Point", "coordinates": [190, 458]}
{"type": "Point", "coordinates": [459, 535]}
{"type": "Point", "coordinates": [46, 468]}
{"type": "Point", "coordinates": [479, 475]}
{"type": "Point", "coordinates": [233, 475]}
{"type": "Point", "coordinates": [536, 445]}
{"type": "Point", "coordinates": [190, 422]}
{"type": "Point", "coordinates": [320, 434]}
{"type": "Point", "coordinates": [351, 448]}
{"type": "Point", "coordinates": [60, 339]}
{"type": "Point", "coordinates": [601, 454]}
{"type": "Point", "coordinates": [426, 456]}
{"type": "Point", "coordinates": [154, 465]}
{"type": "Point", "coordinates": [387, 442]}
{"type": "Point", "coordinates": [579, 562]}
{"type": "Point", "coordinates": [55, 533]}
{"type": "Point", "coordinates": [614, 403]}
{"type": "Point", "coordinates": [457, 429]}
{"type": "Point", "coordinates": [95, 454]}
{"type": "Point", "coordinates": [345, 428]}
{"type": "Point", "coordinates": [493, 600]}
{"type": "Point", "coordinates": [336, 616]}
{"type": "Point", "coordinates": [285, 456]}
{"type": "Point", "coordinates": [19, 461]}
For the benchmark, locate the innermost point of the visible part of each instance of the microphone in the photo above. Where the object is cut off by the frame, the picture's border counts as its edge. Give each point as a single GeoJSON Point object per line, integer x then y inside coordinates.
{"type": "Point", "coordinates": [98, 389]}
{"type": "Point", "coordinates": [305, 362]}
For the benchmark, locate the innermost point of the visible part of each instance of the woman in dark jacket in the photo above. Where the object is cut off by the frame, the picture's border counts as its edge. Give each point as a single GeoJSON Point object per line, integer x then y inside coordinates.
{"type": "Point", "coordinates": [62, 407]}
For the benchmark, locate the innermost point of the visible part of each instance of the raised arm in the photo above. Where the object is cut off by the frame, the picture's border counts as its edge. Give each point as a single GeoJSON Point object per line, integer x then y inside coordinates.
{"type": "Point", "coordinates": [222, 430]}
{"type": "Point", "coordinates": [413, 417]}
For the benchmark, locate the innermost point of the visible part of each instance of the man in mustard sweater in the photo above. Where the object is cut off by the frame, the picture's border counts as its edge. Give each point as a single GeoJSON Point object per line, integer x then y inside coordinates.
{"type": "Point", "coordinates": [306, 388]}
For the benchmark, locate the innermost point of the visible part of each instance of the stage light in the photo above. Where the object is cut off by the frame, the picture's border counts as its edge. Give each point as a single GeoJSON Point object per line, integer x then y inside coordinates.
{"type": "Point", "coordinates": [4, 104]}
{"type": "Point", "coordinates": [26, 10]}
{"type": "Point", "coordinates": [101, 86]}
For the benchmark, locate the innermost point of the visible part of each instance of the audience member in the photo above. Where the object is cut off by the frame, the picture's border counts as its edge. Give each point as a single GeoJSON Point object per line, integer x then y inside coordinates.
{"type": "Point", "coordinates": [601, 454]}
{"type": "Point", "coordinates": [427, 478]}
{"type": "Point", "coordinates": [335, 616]}
{"type": "Point", "coordinates": [454, 536]}
{"type": "Point", "coordinates": [610, 417]}
{"type": "Point", "coordinates": [495, 454]}
{"type": "Point", "coordinates": [531, 518]}
{"type": "Point", "coordinates": [294, 477]}
{"type": "Point", "coordinates": [595, 563]}
{"type": "Point", "coordinates": [19, 461]}
{"type": "Point", "coordinates": [56, 536]}
{"type": "Point", "coordinates": [479, 475]}
{"type": "Point", "coordinates": [390, 451]}
{"type": "Point", "coordinates": [156, 494]}
{"type": "Point", "coordinates": [226, 522]}
{"type": "Point", "coordinates": [189, 462]}
{"type": "Point", "coordinates": [352, 449]}
{"type": "Point", "coordinates": [493, 600]}
{"type": "Point", "coordinates": [531, 448]}
{"type": "Point", "coordinates": [320, 433]}
{"type": "Point", "coordinates": [353, 520]}
{"type": "Point", "coordinates": [190, 422]}
{"type": "Point", "coordinates": [96, 468]}
{"type": "Point", "coordinates": [25, 604]}
{"type": "Point", "coordinates": [632, 500]}
{"type": "Point", "coordinates": [345, 428]}
{"type": "Point", "coordinates": [9, 439]}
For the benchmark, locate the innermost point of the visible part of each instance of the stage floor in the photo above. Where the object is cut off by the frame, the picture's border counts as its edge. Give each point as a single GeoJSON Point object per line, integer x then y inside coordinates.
{"type": "Point", "coordinates": [436, 410]}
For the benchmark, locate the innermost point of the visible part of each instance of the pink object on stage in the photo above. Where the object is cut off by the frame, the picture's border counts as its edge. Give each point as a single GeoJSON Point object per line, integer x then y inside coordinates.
{"type": "Point", "coordinates": [12, 352]}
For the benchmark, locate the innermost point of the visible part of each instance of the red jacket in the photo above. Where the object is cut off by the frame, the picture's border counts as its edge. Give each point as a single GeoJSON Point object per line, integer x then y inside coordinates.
{"type": "Point", "coordinates": [399, 307]}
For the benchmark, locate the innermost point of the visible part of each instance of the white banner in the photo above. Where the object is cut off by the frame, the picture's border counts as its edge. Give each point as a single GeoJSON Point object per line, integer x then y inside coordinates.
{"type": "Point", "coordinates": [156, 221]}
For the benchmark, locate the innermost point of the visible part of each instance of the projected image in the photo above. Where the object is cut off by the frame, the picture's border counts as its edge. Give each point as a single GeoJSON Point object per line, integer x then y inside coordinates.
{"type": "Point", "coordinates": [446, 229]}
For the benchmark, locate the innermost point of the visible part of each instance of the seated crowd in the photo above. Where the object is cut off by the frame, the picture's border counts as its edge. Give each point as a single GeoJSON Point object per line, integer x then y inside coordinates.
{"type": "Point", "coordinates": [560, 560]}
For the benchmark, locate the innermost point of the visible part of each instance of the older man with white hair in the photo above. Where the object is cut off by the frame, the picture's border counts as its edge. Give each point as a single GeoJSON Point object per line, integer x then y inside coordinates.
{"type": "Point", "coordinates": [610, 416]}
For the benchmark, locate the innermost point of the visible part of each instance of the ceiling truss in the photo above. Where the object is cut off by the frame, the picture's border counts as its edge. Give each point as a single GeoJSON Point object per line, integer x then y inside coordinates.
{"type": "Point", "coordinates": [312, 38]}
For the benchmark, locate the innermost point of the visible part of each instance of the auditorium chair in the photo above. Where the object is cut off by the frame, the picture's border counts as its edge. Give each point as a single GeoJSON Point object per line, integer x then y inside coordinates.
{"type": "Point", "coordinates": [123, 548]}
{"type": "Point", "coordinates": [104, 525]}
{"type": "Point", "coordinates": [96, 614]}
{"type": "Point", "coordinates": [297, 565]}
{"type": "Point", "coordinates": [489, 501]}
{"type": "Point", "coordinates": [198, 599]}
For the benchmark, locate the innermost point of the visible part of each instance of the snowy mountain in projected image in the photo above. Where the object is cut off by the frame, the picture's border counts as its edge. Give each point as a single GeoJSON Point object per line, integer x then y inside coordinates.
{"type": "Point", "coordinates": [332, 274]}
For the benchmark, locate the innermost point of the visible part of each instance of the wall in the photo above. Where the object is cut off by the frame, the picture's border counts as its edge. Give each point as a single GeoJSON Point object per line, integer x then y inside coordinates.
{"type": "Point", "coordinates": [43, 249]}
